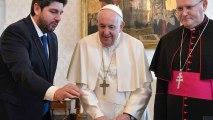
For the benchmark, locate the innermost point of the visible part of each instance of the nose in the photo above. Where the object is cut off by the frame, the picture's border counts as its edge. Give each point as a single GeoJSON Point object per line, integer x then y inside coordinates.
{"type": "Point", "coordinates": [185, 10]}
{"type": "Point", "coordinates": [58, 17]}
{"type": "Point", "coordinates": [106, 30]}
{"type": "Point", "coordinates": [182, 12]}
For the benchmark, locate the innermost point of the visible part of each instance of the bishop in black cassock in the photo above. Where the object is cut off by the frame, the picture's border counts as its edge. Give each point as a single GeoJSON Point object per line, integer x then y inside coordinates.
{"type": "Point", "coordinates": [193, 100]}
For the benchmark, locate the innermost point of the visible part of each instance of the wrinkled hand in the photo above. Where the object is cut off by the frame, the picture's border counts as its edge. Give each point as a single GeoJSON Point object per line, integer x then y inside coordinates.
{"type": "Point", "coordinates": [123, 117]}
{"type": "Point", "coordinates": [68, 91]}
{"type": "Point", "coordinates": [102, 118]}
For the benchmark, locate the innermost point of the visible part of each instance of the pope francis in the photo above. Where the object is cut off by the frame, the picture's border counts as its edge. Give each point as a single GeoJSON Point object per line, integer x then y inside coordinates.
{"type": "Point", "coordinates": [111, 68]}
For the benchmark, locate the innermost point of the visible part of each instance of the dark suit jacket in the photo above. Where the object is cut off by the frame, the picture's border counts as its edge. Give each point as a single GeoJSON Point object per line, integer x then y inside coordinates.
{"type": "Point", "coordinates": [25, 74]}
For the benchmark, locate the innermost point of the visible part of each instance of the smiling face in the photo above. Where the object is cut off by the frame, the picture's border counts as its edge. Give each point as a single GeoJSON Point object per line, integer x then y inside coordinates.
{"type": "Point", "coordinates": [48, 18]}
{"type": "Point", "coordinates": [191, 12]}
{"type": "Point", "coordinates": [110, 25]}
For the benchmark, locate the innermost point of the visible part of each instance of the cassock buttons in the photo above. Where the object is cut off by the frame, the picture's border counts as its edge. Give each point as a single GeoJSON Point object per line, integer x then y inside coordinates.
{"type": "Point", "coordinates": [185, 112]}
{"type": "Point", "coordinates": [193, 37]}
{"type": "Point", "coordinates": [185, 98]}
{"type": "Point", "coordinates": [193, 31]}
{"type": "Point", "coordinates": [188, 69]}
{"type": "Point", "coordinates": [185, 105]}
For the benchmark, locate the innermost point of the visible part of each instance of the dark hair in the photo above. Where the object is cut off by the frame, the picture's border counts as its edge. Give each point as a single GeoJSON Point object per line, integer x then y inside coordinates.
{"type": "Point", "coordinates": [44, 3]}
{"type": "Point", "coordinates": [106, 1]}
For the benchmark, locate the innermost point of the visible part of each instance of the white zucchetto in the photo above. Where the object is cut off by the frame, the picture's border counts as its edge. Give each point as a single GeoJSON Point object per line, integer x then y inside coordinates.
{"type": "Point", "coordinates": [114, 8]}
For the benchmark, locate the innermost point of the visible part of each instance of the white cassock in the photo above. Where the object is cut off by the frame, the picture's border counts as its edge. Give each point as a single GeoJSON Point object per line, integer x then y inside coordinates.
{"type": "Point", "coordinates": [128, 76]}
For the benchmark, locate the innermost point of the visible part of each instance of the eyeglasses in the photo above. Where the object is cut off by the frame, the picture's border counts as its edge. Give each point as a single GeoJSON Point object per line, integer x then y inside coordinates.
{"type": "Point", "coordinates": [188, 7]}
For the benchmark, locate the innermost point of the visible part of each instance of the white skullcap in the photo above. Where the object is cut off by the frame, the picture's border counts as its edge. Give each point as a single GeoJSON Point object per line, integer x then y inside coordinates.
{"type": "Point", "coordinates": [114, 8]}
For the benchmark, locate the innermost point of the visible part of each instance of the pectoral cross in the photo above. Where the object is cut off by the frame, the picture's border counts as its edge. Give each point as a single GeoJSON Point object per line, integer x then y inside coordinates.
{"type": "Point", "coordinates": [104, 85]}
{"type": "Point", "coordinates": [179, 79]}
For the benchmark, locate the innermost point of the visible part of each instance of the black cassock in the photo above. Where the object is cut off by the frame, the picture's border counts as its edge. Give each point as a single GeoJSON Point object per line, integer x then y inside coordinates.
{"type": "Point", "coordinates": [167, 59]}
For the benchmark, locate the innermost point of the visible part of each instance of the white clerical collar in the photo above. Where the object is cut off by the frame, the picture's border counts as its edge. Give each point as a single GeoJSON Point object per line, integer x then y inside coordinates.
{"type": "Point", "coordinates": [38, 30]}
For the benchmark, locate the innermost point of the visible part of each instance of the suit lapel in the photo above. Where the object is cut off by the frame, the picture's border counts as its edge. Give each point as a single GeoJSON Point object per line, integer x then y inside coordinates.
{"type": "Point", "coordinates": [53, 54]}
{"type": "Point", "coordinates": [41, 52]}
{"type": "Point", "coordinates": [38, 44]}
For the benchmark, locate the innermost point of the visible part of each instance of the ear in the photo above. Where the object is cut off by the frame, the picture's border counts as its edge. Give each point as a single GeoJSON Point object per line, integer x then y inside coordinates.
{"type": "Point", "coordinates": [205, 4]}
{"type": "Point", "coordinates": [37, 9]}
{"type": "Point", "coordinates": [122, 26]}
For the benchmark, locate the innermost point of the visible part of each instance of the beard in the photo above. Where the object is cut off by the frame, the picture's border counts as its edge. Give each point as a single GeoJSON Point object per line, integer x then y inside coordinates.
{"type": "Point", "coordinates": [47, 26]}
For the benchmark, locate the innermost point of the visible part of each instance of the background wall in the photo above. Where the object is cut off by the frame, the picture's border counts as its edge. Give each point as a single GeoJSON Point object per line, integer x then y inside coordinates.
{"type": "Point", "coordinates": [2, 15]}
{"type": "Point", "coordinates": [68, 31]}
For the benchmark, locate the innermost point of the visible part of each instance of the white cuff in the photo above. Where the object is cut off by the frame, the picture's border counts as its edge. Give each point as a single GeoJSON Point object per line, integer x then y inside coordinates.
{"type": "Point", "coordinates": [50, 93]}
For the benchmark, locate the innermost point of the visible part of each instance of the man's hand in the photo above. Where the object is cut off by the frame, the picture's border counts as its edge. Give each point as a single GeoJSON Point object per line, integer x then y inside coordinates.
{"type": "Point", "coordinates": [102, 118]}
{"type": "Point", "coordinates": [68, 91]}
{"type": "Point", "coordinates": [123, 117]}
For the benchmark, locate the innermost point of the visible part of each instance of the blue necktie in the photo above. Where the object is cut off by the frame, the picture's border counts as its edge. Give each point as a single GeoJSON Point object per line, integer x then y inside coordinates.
{"type": "Point", "coordinates": [46, 107]}
{"type": "Point", "coordinates": [44, 41]}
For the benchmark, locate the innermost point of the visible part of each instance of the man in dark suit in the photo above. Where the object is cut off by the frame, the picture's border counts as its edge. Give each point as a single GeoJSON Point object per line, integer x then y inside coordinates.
{"type": "Point", "coordinates": [27, 65]}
